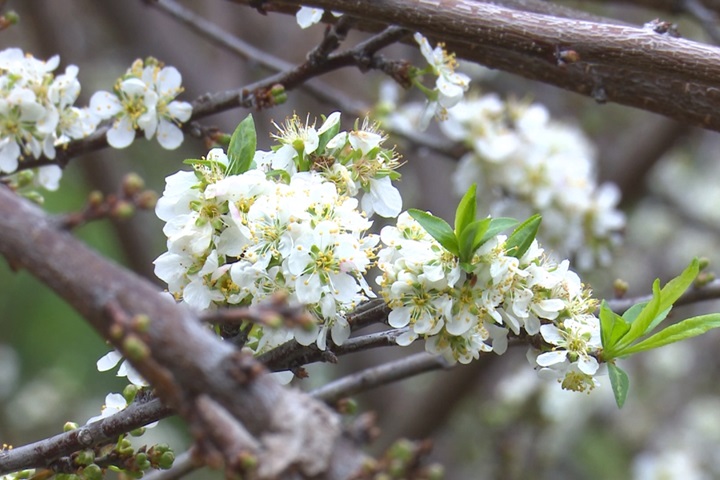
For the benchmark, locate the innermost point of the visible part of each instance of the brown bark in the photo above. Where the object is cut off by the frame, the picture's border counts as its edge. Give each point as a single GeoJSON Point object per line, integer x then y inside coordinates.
{"type": "Point", "coordinates": [218, 390]}
{"type": "Point", "coordinates": [631, 66]}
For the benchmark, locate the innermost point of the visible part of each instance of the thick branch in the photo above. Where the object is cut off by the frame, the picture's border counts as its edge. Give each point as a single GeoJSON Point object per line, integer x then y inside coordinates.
{"type": "Point", "coordinates": [167, 344]}
{"type": "Point", "coordinates": [615, 63]}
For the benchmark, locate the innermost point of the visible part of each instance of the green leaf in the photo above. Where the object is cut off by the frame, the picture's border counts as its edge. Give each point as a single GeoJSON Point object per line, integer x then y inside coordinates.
{"type": "Point", "coordinates": [241, 150]}
{"type": "Point", "coordinates": [612, 328]}
{"type": "Point", "coordinates": [677, 286]}
{"type": "Point", "coordinates": [465, 213]}
{"type": "Point", "coordinates": [469, 236]}
{"type": "Point", "coordinates": [620, 383]}
{"type": "Point", "coordinates": [632, 313]}
{"type": "Point", "coordinates": [497, 225]}
{"type": "Point", "coordinates": [655, 310]}
{"type": "Point", "coordinates": [692, 327]}
{"type": "Point", "coordinates": [521, 239]}
{"type": "Point", "coordinates": [438, 229]}
{"type": "Point", "coordinates": [657, 321]}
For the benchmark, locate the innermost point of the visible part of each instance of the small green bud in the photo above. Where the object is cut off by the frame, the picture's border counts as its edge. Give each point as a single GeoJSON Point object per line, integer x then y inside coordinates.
{"type": "Point", "coordinates": [91, 472]}
{"type": "Point", "coordinates": [248, 461]}
{"type": "Point", "coordinates": [116, 331]}
{"type": "Point", "coordinates": [141, 461]}
{"type": "Point", "coordinates": [278, 93]}
{"type": "Point", "coordinates": [95, 198]}
{"type": "Point", "coordinates": [620, 287]}
{"type": "Point", "coordinates": [703, 263]}
{"type": "Point", "coordinates": [12, 17]}
{"type": "Point", "coordinates": [141, 323]}
{"type": "Point", "coordinates": [132, 184]}
{"type": "Point", "coordinates": [401, 450]}
{"type": "Point", "coordinates": [135, 349]}
{"type": "Point", "coordinates": [166, 460]}
{"type": "Point", "coordinates": [123, 210]}
{"type": "Point", "coordinates": [70, 426]}
{"type": "Point", "coordinates": [129, 393]}
{"type": "Point", "coordinates": [24, 178]}
{"type": "Point", "coordinates": [85, 457]}
{"type": "Point", "coordinates": [34, 197]}
{"type": "Point", "coordinates": [138, 432]}
{"type": "Point", "coordinates": [124, 447]}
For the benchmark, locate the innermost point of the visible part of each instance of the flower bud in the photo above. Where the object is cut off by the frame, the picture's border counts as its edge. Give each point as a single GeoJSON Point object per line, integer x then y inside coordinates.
{"type": "Point", "coordinates": [132, 184]}
{"type": "Point", "coordinates": [70, 426]}
{"type": "Point", "coordinates": [123, 210]}
{"type": "Point", "coordinates": [147, 200]}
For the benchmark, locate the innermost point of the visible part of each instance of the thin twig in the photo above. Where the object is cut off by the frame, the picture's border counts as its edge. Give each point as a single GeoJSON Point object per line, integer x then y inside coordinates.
{"type": "Point", "coordinates": [710, 291]}
{"type": "Point", "coordinates": [41, 454]}
{"type": "Point", "coordinates": [293, 355]}
{"type": "Point", "coordinates": [363, 56]}
{"type": "Point", "coordinates": [380, 375]}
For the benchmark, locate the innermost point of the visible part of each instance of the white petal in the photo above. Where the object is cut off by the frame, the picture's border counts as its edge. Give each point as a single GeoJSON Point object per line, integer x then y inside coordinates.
{"type": "Point", "coordinates": [551, 358]}
{"type": "Point", "coordinates": [308, 16]}
{"type": "Point", "coordinates": [49, 177]}
{"type": "Point", "coordinates": [399, 317]}
{"type": "Point", "coordinates": [169, 81]}
{"type": "Point", "coordinates": [169, 135]}
{"type": "Point", "coordinates": [105, 104]}
{"type": "Point", "coordinates": [180, 111]}
{"type": "Point", "coordinates": [122, 134]}
{"type": "Point", "coordinates": [108, 361]}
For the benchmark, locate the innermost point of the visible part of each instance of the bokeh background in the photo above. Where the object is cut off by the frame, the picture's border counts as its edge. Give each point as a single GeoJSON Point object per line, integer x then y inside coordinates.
{"type": "Point", "coordinates": [492, 419]}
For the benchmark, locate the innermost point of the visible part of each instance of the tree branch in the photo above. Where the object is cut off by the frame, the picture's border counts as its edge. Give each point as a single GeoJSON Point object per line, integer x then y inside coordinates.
{"type": "Point", "coordinates": [631, 66]}
{"type": "Point", "coordinates": [43, 453]}
{"type": "Point", "coordinates": [168, 345]}
{"type": "Point", "coordinates": [379, 376]}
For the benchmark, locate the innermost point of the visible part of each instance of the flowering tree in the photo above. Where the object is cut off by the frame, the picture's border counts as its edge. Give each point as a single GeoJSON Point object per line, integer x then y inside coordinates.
{"type": "Point", "coordinates": [280, 255]}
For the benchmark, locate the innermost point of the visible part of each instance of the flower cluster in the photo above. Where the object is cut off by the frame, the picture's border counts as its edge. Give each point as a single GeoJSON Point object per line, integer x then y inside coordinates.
{"type": "Point", "coordinates": [464, 309]}
{"type": "Point", "coordinates": [450, 85]}
{"type": "Point", "coordinates": [529, 163]}
{"type": "Point", "coordinates": [289, 224]}
{"type": "Point", "coordinates": [144, 98]}
{"type": "Point", "coordinates": [37, 112]}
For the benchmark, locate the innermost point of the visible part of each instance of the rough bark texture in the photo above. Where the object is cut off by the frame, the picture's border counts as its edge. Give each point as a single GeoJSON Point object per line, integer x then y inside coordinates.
{"type": "Point", "coordinates": [219, 391]}
{"type": "Point", "coordinates": [607, 61]}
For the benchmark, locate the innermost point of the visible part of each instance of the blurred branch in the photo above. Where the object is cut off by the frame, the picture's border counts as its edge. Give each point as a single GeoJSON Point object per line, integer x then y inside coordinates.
{"type": "Point", "coordinates": [710, 291]}
{"type": "Point", "coordinates": [615, 63]}
{"type": "Point", "coordinates": [43, 453]}
{"type": "Point", "coordinates": [211, 31]}
{"type": "Point", "coordinates": [704, 16]}
{"type": "Point", "coordinates": [637, 152]}
{"type": "Point", "coordinates": [379, 376]}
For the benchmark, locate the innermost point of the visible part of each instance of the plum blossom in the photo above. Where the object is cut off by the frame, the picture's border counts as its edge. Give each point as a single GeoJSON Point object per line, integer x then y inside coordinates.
{"type": "Point", "coordinates": [237, 239]}
{"type": "Point", "coordinates": [461, 312]}
{"type": "Point", "coordinates": [144, 99]}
